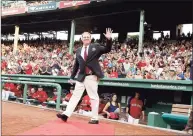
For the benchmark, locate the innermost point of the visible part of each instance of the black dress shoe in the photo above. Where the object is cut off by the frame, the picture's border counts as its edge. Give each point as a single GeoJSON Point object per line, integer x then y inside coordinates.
{"type": "Point", "coordinates": [93, 122]}
{"type": "Point", "coordinates": [62, 116]}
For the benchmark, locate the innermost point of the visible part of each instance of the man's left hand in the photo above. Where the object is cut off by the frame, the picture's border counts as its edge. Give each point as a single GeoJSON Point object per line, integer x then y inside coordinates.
{"type": "Point", "coordinates": [108, 34]}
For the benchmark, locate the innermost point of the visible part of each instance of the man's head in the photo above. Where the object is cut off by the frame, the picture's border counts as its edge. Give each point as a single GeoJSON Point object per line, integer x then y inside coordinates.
{"type": "Point", "coordinates": [86, 38]}
{"type": "Point", "coordinates": [172, 71]}
{"type": "Point", "coordinates": [137, 95]}
{"type": "Point", "coordinates": [40, 88]}
{"type": "Point", "coordinates": [55, 91]}
{"type": "Point", "coordinates": [127, 60]}
{"type": "Point", "coordinates": [33, 90]}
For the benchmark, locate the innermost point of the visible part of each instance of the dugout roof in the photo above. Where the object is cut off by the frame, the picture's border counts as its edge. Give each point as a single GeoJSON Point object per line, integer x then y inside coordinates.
{"type": "Point", "coordinates": [162, 15]}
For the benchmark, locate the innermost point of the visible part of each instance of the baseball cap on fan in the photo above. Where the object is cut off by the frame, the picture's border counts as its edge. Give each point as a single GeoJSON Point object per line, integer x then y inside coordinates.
{"type": "Point", "coordinates": [40, 87]}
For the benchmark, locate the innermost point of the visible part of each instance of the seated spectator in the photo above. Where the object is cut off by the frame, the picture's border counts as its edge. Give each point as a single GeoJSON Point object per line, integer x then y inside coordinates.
{"type": "Point", "coordinates": [40, 95]}
{"type": "Point", "coordinates": [135, 109]}
{"type": "Point", "coordinates": [161, 65]}
{"type": "Point", "coordinates": [132, 68]}
{"type": "Point", "coordinates": [8, 90]}
{"type": "Point", "coordinates": [121, 71]}
{"type": "Point", "coordinates": [36, 69]}
{"type": "Point", "coordinates": [30, 92]}
{"type": "Point", "coordinates": [187, 75]}
{"type": "Point", "coordinates": [28, 69]}
{"type": "Point", "coordinates": [126, 65]}
{"type": "Point", "coordinates": [55, 67]}
{"type": "Point", "coordinates": [68, 96]}
{"type": "Point", "coordinates": [130, 75]}
{"type": "Point", "coordinates": [114, 73]}
{"type": "Point", "coordinates": [162, 76]}
{"type": "Point", "coordinates": [18, 91]}
{"type": "Point", "coordinates": [53, 99]}
{"type": "Point", "coordinates": [46, 69]}
{"type": "Point", "coordinates": [85, 106]}
{"type": "Point", "coordinates": [139, 75]}
{"type": "Point", "coordinates": [180, 74]}
{"type": "Point", "coordinates": [112, 108]}
{"type": "Point", "coordinates": [106, 73]}
{"type": "Point", "coordinates": [172, 74]}
{"type": "Point", "coordinates": [149, 74]}
{"type": "Point", "coordinates": [141, 64]}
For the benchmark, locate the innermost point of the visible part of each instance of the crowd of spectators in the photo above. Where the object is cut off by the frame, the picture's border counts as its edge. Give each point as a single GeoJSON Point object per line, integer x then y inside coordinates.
{"type": "Point", "coordinates": [160, 60]}
{"type": "Point", "coordinates": [21, 4]}
{"type": "Point", "coordinates": [13, 4]}
{"type": "Point", "coordinates": [36, 3]}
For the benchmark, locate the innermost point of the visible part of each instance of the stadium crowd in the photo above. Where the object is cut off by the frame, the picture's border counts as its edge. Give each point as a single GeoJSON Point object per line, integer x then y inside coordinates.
{"type": "Point", "coordinates": [160, 60]}
{"type": "Point", "coordinates": [22, 4]}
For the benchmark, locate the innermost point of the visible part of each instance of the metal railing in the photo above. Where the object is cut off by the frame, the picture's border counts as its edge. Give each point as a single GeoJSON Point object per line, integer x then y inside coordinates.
{"type": "Point", "coordinates": [26, 83]}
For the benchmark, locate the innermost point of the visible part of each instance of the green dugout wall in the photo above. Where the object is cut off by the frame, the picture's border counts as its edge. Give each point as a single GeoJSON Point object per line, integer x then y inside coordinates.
{"type": "Point", "coordinates": [159, 94]}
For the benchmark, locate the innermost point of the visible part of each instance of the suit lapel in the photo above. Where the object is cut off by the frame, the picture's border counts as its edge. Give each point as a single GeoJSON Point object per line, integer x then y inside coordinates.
{"type": "Point", "coordinates": [89, 52]}
{"type": "Point", "coordinates": [79, 53]}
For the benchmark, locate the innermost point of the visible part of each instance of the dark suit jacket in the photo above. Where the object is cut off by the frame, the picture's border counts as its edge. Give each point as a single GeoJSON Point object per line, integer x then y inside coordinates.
{"type": "Point", "coordinates": [94, 52]}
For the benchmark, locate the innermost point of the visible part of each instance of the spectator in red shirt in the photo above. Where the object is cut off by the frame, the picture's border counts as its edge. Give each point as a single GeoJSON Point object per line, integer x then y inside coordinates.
{"type": "Point", "coordinates": [18, 91]}
{"type": "Point", "coordinates": [28, 69]}
{"type": "Point", "coordinates": [112, 108]}
{"type": "Point", "coordinates": [141, 64]}
{"type": "Point", "coordinates": [8, 90]}
{"type": "Point", "coordinates": [85, 105]}
{"type": "Point", "coordinates": [135, 109]}
{"type": "Point", "coordinates": [31, 93]}
{"type": "Point", "coordinates": [105, 63]}
{"type": "Point", "coordinates": [114, 73]}
{"type": "Point", "coordinates": [3, 64]}
{"type": "Point", "coordinates": [68, 96]}
{"type": "Point", "coordinates": [53, 99]}
{"type": "Point", "coordinates": [40, 95]}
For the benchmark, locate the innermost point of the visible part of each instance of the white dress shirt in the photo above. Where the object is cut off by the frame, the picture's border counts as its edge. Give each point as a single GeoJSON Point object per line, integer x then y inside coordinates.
{"type": "Point", "coordinates": [83, 50]}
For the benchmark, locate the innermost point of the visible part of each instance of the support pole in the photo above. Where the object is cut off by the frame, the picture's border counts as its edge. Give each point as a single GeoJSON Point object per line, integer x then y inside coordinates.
{"type": "Point", "coordinates": [72, 37]}
{"type": "Point", "coordinates": [141, 31]}
{"type": "Point", "coordinates": [25, 93]}
{"type": "Point", "coordinates": [16, 37]}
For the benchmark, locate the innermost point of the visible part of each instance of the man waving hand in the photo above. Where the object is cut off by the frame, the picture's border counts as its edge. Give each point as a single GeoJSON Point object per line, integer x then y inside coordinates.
{"type": "Point", "coordinates": [89, 74]}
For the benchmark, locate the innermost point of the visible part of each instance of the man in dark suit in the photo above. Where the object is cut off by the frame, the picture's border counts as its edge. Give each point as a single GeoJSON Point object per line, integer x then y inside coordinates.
{"type": "Point", "coordinates": [89, 74]}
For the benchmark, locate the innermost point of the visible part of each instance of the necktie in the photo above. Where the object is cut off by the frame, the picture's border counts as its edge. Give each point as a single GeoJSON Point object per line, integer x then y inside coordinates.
{"type": "Point", "coordinates": [87, 70]}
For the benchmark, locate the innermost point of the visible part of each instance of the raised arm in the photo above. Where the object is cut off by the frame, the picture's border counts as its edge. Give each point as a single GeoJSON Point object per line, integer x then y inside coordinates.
{"type": "Point", "coordinates": [108, 35]}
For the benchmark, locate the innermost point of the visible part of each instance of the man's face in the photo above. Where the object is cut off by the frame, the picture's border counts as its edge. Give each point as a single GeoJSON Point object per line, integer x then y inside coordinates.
{"type": "Point", "coordinates": [172, 73]}
{"type": "Point", "coordinates": [137, 95]}
{"type": "Point", "coordinates": [40, 89]}
{"type": "Point", "coordinates": [32, 90]}
{"type": "Point", "coordinates": [86, 38]}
